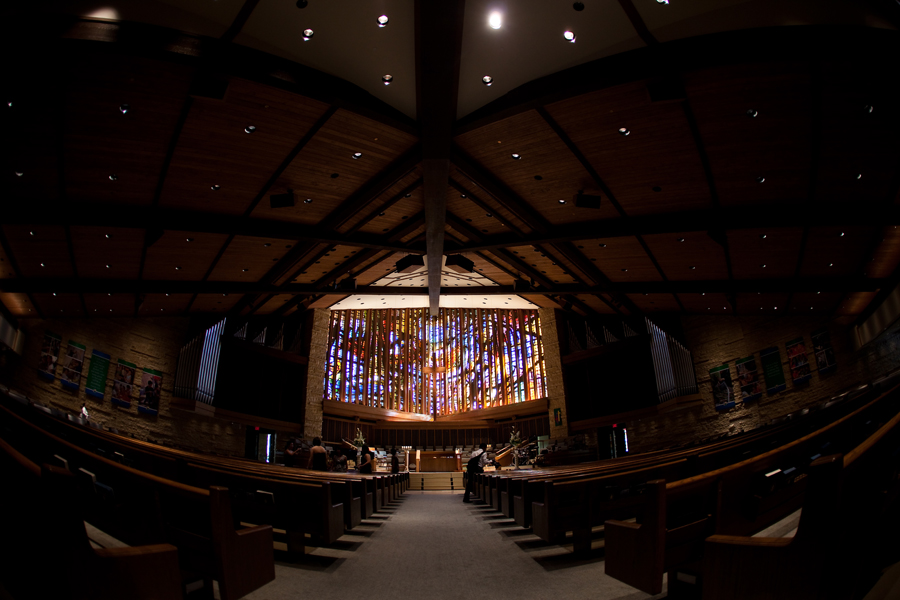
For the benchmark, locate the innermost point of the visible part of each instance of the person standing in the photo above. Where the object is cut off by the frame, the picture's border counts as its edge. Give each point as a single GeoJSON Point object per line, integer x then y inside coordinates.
{"type": "Point", "coordinates": [290, 454]}
{"type": "Point", "coordinates": [395, 462]}
{"type": "Point", "coordinates": [477, 461]}
{"type": "Point", "coordinates": [318, 456]}
{"type": "Point", "coordinates": [365, 461]}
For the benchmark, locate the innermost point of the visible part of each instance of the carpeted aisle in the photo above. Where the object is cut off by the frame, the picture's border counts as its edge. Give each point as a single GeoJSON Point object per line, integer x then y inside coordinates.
{"type": "Point", "coordinates": [432, 545]}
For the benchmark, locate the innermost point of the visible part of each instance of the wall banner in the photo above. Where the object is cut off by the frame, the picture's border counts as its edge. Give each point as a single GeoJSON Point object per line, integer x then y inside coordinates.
{"type": "Point", "coordinates": [722, 388]}
{"type": "Point", "coordinates": [748, 379]}
{"type": "Point", "coordinates": [122, 383]}
{"type": "Point", "coordinates": [72, 364]}
{"type": "Point", "coordinates": [151, 382]}
{"type": "Point", "coordinates": [49, 356]}
{"type": "Point", "coordinates": [796, 351]}
{"type": "Point", "coordinates": [821, 340]}
{"type": "Point", "coordinates": [95, 384]}
{"type": "Point", "coordinates": [773, 373]}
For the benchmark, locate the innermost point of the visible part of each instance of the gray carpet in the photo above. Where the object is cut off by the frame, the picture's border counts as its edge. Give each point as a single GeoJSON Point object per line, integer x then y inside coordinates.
{"type": "Point", "coordinates": [431, 545]}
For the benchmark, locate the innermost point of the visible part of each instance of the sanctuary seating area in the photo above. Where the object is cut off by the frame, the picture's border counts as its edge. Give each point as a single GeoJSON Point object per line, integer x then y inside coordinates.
{"type": "Point", "coordinates": [187, 516]}
{"type": "Point", "coordinates": [689, 511]}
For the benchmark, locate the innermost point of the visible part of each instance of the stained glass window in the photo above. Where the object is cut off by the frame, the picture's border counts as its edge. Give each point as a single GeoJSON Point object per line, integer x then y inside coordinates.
{"type": "Point", "coordinates": [464, 359]}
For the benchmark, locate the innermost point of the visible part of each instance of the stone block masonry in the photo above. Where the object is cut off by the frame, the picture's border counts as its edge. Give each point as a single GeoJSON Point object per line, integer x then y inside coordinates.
{"type": "Point", "coordinates": [151, 343]}
{"type": "Point", "coordinates": [715, 340]}
{"type": "Point", "coordinates": [556, 391]}
{"type": "Point", "coordinates": [315, 380]}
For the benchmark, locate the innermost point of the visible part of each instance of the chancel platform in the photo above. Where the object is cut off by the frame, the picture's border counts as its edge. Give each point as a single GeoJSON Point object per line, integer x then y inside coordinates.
{"type": "Point", "coordinates": [441, 461]}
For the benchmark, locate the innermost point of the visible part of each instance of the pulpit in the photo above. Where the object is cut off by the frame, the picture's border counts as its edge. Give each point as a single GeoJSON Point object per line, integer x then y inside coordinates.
{"type": "Point", "coordinates": [439, 461]}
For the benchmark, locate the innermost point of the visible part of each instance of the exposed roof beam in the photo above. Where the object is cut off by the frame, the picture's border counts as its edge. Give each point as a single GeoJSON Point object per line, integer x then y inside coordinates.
{"type": "Point", "coordinates": [809, 284]}
{"type": "Point", "coordinates": [240, 20]}
{"type": "Point", "coordinates": [788, 215]}
{"type": "Point", "coordinates": [439, 28]}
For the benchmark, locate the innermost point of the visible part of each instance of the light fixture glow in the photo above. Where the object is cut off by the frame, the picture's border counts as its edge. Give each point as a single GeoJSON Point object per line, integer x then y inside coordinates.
{"type": "Point", "coordinates": [487, 80]}
{"type": "Point", "coordinates": [387, 79]}
{"type": "Point", "coordinates": [307, 33]}
{"type": "Point", "coordinates": [570, 36]}
{"type": "Point", "coordinates": [124, 108]}
{"type": "Point", "coordinates": [357, 155]}
{"type": "Point", "coordinates": [383, 21]}
{"type": "Point", "coordinates": [624, 131]}
{"type": "Point", "coordinates": [516, 156]}
{"type": "Point", "coordinates": [495, 20]}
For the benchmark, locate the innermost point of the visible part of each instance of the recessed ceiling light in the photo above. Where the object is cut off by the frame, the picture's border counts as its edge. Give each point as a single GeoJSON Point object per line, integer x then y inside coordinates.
{"type": "Point", "coordinates": [495, 20]}
{"type": "Point", "coordinates": [624, 131]}
{"type": "Point", "coordinates": [43, 265]}
{"type": "Point", "coordinates": [680, 239]}
{"type": "Point", "coordinates": [307, 33]}
{"type": "Point", "coordinates": [335, 175]}
{"type": "Point", "coordinates": [561, 201]}
{"type": "Point", "coordinates": [538, 178]}
{"type": "Point", "coordinates": [19, 173]}
{"type": "Point", "coordinates": [487, 80]}
{"type": "Point", "coordinates": [579, 6]}
{"type": "Point", "coordinates": [250, 129]}
{"type": "Point", "coordinates": [752, 113]}
{"type": "Point", "coordinates": [842, 234]}
{"type": "Point", "coordinates": [357, 155]}
{"type": "Point", "coordinates": [383, 21]}
{"type": "Point", "coordinates": [266, 245]}
{"type": "Point", "coordinates": [381, 214]}
{"type": "Point", "coordinates": [624, 270]}
{"type": "Point", "coordinates": [693, 268]}
{"type": "Point", "coordinates": [113, 177]}
{"type": "Point", "coordinates": [488, 215]}
{"type": "Point", "coordinates": [302, 3]}
{"type": "Point", "coordinates": [215, 187]}
{"type": "Point", "coordinates": [859, 176]}
{"type": "Point", "coordinates": [32, 233]}
{"type": "Point", "coordinates": [570, 36]}
{"type": "Point", "coordinates": [763, 266]}
{"type": "Point", "coordinates": [762, 236]}
{"type": "Point", "coordinates": [387, 79]}
{"type": "Point", "coordinates": [656, 188]}
{"type": "Point", "coordinates": [830, 264]}
{"type": "Point", "coordinates": [662, 1]}
{"type": "Point", "coordinates": [307, 201]}
{"type": "Point", "coordinates": [124, 108]}
{"type": "Point", "coordinates": [760, 179]}
{"type": "Point", "coordinates": [54, 293]}
{"type": "Point", "coordinates": [516, 156]}
{"type": "Point", "coordinates": [107, 236]}
{"type": "Point", "coordinates": [177, 268]}
{"type": "Point", "coordinates": [107, 266]}
{"type": "Point", "coordinates": [244, 270]}
{"type": "Point", "coordinates": [603, 245]}
{"type": "Point", "coordinates": [189, 239]}
{"type": "Point", "coordinates": [869, 108]}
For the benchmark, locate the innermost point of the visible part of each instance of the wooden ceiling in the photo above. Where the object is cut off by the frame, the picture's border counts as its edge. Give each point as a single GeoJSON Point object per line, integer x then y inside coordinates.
{"type": "Point", "coordinates": [745, 172]}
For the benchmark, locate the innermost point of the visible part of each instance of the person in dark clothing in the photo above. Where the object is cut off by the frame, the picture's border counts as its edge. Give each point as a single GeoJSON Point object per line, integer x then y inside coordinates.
{"type": "Point", "coordinates": [365, 460]}
{"type": "Point", "coordinates": [477, 461]}
{"type": "Point", "coordinates": [395, 462]}
{"type": "Point", "coordinates": [291, 452]}
{"type": "Point", "coordinates": [318, 456]}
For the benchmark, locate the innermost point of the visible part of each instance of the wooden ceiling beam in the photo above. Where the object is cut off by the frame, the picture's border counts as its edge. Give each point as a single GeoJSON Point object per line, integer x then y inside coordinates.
{"type": "Point", "coordinates": [746, 286]}
{"type": "Point", "coordinates": [438, 46]}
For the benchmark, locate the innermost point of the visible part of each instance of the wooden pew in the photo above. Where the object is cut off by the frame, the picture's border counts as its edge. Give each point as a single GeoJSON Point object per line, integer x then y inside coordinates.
{"type": "Point", "coordinates": [50, 539]}
{"type": "Point", "coordinates": [147, 509]}
{"type": "Point", "coordinates": [679, 515]}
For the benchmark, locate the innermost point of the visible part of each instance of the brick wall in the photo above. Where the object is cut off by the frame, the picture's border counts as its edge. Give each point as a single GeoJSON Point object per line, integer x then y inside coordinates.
{"type": "Point", "coordinates": [151, 343]}
{"type": "Point", "coordinates": [715, 340]}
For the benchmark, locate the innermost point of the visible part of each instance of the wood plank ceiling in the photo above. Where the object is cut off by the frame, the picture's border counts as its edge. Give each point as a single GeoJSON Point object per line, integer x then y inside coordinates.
{"type": "Point", "coordinates": [739, 168]}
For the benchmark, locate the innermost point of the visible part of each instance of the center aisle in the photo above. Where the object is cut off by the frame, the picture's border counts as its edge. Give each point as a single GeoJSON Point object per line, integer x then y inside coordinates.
{"type": "Point", "coordinates": [432, 545]}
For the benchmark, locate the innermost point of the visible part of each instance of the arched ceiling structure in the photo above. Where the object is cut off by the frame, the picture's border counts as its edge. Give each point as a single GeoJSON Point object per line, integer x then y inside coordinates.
{"type": "Point", "coordinates": [744, 154]}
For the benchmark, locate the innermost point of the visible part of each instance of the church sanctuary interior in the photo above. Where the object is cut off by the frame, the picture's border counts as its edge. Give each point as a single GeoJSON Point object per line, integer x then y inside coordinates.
{"type": "Point", "coordinates": [450, 299]}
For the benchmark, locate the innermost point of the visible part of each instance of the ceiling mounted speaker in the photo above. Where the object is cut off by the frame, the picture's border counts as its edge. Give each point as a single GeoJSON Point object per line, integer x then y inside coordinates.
{"type": "Point", "coordinates": [209, 85]}
{"type": "Point", "coordinates": [587, 201]}
{"type": "Point", "coordinates": [459, 263]}
{"type": "Point", "coordinates": [286, 200]}
{"type": "Point", "coordinates": [410, 263]}
{"type": "Point", "coordinates": [520, 285]}
{"type": "Point", "coordinates": [348, 284]}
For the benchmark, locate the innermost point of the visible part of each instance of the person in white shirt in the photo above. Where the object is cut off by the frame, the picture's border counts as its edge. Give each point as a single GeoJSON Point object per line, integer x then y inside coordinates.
{"type": "Point", "coordinates": [477, 461]}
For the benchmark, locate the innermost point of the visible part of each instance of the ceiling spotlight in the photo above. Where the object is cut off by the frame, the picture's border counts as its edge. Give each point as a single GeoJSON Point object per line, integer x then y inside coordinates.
{"type": "Point", "coordinates": [570, 36]}
{"type": "Point", "coordinates": [107, 266]}
{"type": "Point", "coordinates": [249, 128]}
{"type": "Point", "coordinates": [383, 21]}
{"type": "Point", "coordinates": [662, 1]}
{"type": "Point", "coordinates": [842, 234]}
{"type": "Point", "coordinates": [357, 155]}
{"type": "Point", "coordinates": [189, 239]}
{"type": "Point", "coordinates": [215, 187]}
{"type": "Point", "coordinates": [177, 268]}
{"type": "Point", "coordinates": [752, 113]}
{"type": "Point", "coordinates": [124, 108]}
{"type": "Point", "coordinates": [762, 236]}
{"type": "Point", "coordinates": [859, 176]}
{"type": "Point", "coordinates": [19, 173]}
{"type": "Point", "coordinates": [603, 245]}
{"type": "Point", "coordinates": [760, 179]}
{"type": "Point", "coordinates": [43, 265]}
{"type": "Point", "coordinates": [561, 201]}
{"type": "Point", "coordinates": [113, 177]}
{"type": "Point", "coordinates": [245, 270]}
{"type": "Point", "coordinates": [516, 156]}
{"type": "Point", "coordinates": [869, 108]}
{"type": "Point", "coordinates": [693, 268]}
{"type": "Point", "coordinates": [387, 79]}
{"type": "Point", "coordinates": [763, 266]}
{"type": "Point", "coordinates": [108, 235]}
{"type": "Point", "coordinates": [307, 33]}
{"type": "Point", "coordinates": [307, 201]}
{"type": "Point", "coordinates": [624, 131]}
{"type": "Point", "coordinates": [495, 20]}
{"type": "Point", "coordinates": [32, 233]}
{"type": "Point", "coordinates": [680, 239]}
{"type": "Point", "coordinates": [487, 80]}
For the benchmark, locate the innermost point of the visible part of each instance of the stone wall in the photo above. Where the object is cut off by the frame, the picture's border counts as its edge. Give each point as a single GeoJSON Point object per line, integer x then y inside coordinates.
{"type": "Point", "coordinates": [151, 343]}
{"type": "Point", "coordinates": [315, 380]}
{"type": "Point", "coordinates": [715, 340]}
{"type": "Point", "coordinates": [553, 364]}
